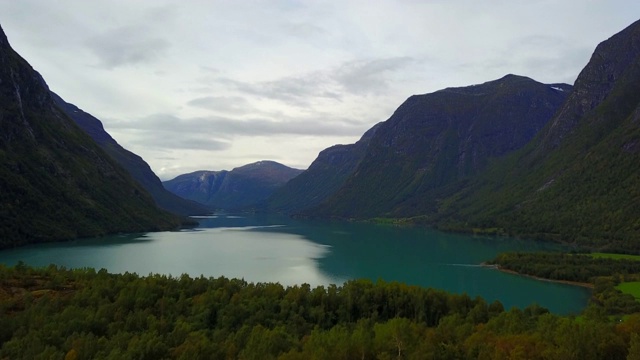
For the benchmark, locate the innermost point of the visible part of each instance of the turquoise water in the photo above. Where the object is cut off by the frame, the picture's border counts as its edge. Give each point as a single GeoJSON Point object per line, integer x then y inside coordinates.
{"type": "Point", "coordinates": [270, 248]}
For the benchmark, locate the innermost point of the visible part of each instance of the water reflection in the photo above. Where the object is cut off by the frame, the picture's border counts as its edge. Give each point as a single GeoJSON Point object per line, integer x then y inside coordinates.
{"type": "Point", "coordinates": [271, 248]}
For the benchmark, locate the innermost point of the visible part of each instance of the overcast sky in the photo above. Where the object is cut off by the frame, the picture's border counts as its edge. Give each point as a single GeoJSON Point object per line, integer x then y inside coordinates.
{"type": "Point", "coordinates": [211, 85]}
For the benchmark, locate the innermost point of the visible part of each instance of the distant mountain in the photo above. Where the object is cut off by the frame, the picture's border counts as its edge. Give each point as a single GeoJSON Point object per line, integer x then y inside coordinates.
{"type": "Point", "coordinates": [133, 163]}
{"type": "Point", "coordinates": [579, 180]}
{"type": "Point", "coordinates": [55, 182]}
{"type": "Point", "coordinates": [324, 177]}
{"type": "Point", "coordinates": [241, 187]}
{"type": "Point", "coordinates": [432, 141]}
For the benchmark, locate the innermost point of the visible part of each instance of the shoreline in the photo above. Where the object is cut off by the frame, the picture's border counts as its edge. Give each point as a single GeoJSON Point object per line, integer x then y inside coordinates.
{"type": "Point", "coordinates": [566, 282]}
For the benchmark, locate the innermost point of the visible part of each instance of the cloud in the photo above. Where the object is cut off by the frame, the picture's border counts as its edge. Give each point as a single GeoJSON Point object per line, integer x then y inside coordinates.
{"type": "Point", "coordinates": [159, 126]}
{"type": "Point", "coordinates": [293, 90]}
{"type": "Point", "coordinates": [369, 76]}
{"type": "Point", "coordinates": [153, 140]}
{"type": "Point", "coordinates": [303, 30]}
{"type": "Point", "coordinates": [359, 77]}
{"type": "Point", "coordinates": [126, 46]}
{"type": "Point", "coordinates": [226, 104]}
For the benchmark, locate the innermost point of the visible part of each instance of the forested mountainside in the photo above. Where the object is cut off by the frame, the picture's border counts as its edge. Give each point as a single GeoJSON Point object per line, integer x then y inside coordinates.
{"type": "Point", "coordinates": [134, 164]}
{"type": "Point", "coordinates": [55, 181]}
{"type": "Point", "coordinates": [434, 140]}
{"type": "Point", "coordinates": [579, 180]}
{"type": "Point", "coordinates": [242, 187]}
{"type": "Point", "coordinates": [323, 178]}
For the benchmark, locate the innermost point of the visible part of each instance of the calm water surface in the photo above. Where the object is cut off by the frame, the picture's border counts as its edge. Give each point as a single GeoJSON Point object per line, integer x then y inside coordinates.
{"type": "Point", "coordinates": [268, 248]}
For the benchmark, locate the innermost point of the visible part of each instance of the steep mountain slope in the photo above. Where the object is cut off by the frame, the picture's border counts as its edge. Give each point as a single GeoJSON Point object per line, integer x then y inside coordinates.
{"type": "Point", "coordinates": [241, 187]}
{"type": "Point", "coordinates": [434, 140]}
{"type": "Point", "coordinates": [324, 177]}
{"type": "Point", "coordinates": [579, 180]}
{"type": "Point", "coordinates": [55, 182]}
{"type": "Point", "coordinates": [134, 164]}
{"type": "Point", "coordinates": [198, 186]}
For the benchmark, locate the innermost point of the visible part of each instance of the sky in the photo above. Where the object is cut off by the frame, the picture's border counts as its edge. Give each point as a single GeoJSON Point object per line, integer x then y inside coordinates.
{"type": "Point", "coordinates": [212, 85]}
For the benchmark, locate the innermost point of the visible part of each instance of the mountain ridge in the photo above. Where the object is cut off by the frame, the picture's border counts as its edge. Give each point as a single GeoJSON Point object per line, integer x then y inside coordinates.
{"type": "Point", "coordinates": [578, 181]}
{"type": "Point", "coordinates": [55, 182]}
{"type": "Point", "coordinates": [433, 140]}
{"type": "Point", "coordinates": [242, 187]}
{"type": "Point", "coordinates": [134, 164]}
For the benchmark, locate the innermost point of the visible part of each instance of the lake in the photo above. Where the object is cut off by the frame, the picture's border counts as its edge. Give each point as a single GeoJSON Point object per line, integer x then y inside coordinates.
{"type": "Point", "coordinates": [265, 248]}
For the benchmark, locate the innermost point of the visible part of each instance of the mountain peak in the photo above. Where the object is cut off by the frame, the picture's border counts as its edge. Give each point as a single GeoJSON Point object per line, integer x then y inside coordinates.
{"type": "Point", "coordinates": [4, 42]}
{"type": "Point", "coordinates": [609, 62]}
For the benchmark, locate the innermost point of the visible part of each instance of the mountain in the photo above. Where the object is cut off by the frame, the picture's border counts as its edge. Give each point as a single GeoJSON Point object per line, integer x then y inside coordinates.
{"type": "Point", "coordinates": [200, 186]}
{"type": "Point", "coordinates": [579, 180]}
{"type": "Point", "coordinates": [241, 187]}
{"type": "Point", "coordinates": [133, 163]}
{"type": "Point", "coordinates": [55, 181]}
{"type": "Point", "coordinates": [324, 177]}
{"type": "Point", "coordinates": [432, 141]}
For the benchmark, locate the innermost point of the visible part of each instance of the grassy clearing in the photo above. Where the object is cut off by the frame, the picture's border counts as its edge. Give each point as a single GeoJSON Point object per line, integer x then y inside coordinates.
{"type": "Point", "coordinates": [616, 256]}
{"type": "Point", "coordinates": [632, 288]}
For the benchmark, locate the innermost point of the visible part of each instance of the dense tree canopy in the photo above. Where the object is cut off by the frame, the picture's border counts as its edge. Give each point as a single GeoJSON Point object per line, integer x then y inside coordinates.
{"type": "Point", "coordinates": [88, 314]}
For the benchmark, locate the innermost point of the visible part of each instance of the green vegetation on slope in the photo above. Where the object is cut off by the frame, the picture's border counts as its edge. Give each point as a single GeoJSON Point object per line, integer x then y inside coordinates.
{"type": "Point", "coordinates": [55, 182]}
{"type": "Point", "coordinates": [578, 181]}
{"type": "Point", "coordinates": [84, 314]}
{"type": "Point", "coordinates": [433, 140]}
{"type": "Point", "coordinates": [134, 164]}
{"type": "Point", "coordinates": [606, 275]}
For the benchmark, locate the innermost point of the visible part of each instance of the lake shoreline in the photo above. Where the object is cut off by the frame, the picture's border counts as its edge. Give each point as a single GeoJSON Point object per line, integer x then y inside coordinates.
{"type": "Point", "coordinates": [566, 282]}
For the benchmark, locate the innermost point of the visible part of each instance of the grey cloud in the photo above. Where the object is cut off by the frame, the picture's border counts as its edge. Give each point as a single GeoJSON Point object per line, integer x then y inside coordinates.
{"type": "Point", "coordinates": [369, 76]}
{"type": "Point", "coordinates": [293, 90]}
{"type": "Point", "coordinates": [358, 77]}
{"type": "Point", "coordinates": [303, 30]}
{"type": "Point", "coordinates": [126, 46]}
{"type": "Point", "coordinates": [169, 126]}
{"type": "Point", "coordinates": [227, 104]}
{"type": "Point", "coordinates": [185, 142]}
{"type": "Point", "coordinates": [544, 58]}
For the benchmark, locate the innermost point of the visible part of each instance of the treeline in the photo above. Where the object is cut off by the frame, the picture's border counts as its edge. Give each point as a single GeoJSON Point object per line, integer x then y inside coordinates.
{"type": "Point", "coordinates": [565, 266]}
{"type": "Point", "coordinates": [87, 314]}
{"type": "Point", "coordinates": [602, 273]}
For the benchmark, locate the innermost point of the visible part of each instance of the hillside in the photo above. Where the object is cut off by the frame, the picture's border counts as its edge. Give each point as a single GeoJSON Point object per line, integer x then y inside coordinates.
{"type": "Point", "coordinates": [434, 140]}
{"type": "Point", "coordinates": [325, 176]}
{"type": "Point", "coordinates": [241, 187]}
{"type": "Point", "coordinates": [55, 182]}
{"type": "Point", "coordinates": [579, 180]}
{"type": "Point", "coordinates": [134, 164]}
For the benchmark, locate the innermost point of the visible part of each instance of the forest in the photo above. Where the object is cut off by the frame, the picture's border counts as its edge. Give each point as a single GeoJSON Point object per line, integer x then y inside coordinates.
{"type": "Point", "coordinates": [58, 313]}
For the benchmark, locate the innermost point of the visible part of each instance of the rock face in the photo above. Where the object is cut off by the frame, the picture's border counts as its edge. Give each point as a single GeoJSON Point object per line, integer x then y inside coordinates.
{"type": "Point", "coordinates": [55, 182]}
{"type": "Point", "coordinates": [434, 140]}
{"type": "Point", "coordinates": [579, 181]}
{"type": "Point", "coordinates": [324, 177]}
{"type": "Point", "coordinates": [242, 187]}
{"type": "Point", "coordinates": [134, 164]}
